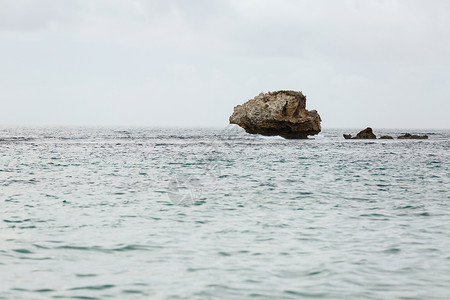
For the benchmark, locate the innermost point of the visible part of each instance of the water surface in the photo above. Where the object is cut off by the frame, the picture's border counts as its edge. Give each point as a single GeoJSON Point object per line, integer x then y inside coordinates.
{"type": "Point", "coordinates": [97, 213]}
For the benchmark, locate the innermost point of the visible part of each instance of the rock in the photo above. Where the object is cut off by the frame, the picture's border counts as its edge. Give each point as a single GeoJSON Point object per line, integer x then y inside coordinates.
{"type": "Point", "coordinates": [366, 134]}
{"type": "Point", "coordinates": [386, 137]}
{"type": "Point", "coordinates": [413, 137]}
{"type": "Point", "coordinates": [363, 134]}
{"type": "Point", "coordinates": [280, 113]}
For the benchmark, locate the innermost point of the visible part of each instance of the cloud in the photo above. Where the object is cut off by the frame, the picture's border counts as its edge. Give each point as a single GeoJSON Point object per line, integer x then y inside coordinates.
{"type": "Point", "coordinates": [30, 15]}
{"type": "Point", "coordinates": [211, 55]}
{"type": "Point", "coordinates": [345, 30]}
{"type": "Point", "coordinates": [349, 30]}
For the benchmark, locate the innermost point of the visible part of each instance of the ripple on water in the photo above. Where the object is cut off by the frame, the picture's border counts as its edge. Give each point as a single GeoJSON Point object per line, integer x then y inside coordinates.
{"type": "Point", "coordinates": [306, 295]}
{"type": "Point", "coordinates": [93, 287]}
{"type": "Point", "coordinates": [124, 248]}
{"type": "Point", "coordinates": [23, 251]}
{"type": "Point", "coordinates": [86, 275]}
{"type": "Point", "coordinates": [133, 292]}
{"type": "Point", "coordinates": [16, 221]}
{"type": "Point", "coordinates": [44, 290]}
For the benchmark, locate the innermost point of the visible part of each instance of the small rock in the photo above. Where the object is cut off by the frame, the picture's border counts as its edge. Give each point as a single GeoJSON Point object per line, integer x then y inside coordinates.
{"type": "Point", "coordinates": [407, 136]}
{"type": "Point", "coordinates": [363, 134]}
{"type": "Point", "coordinates": [366, 134]}
{"type": "Point", "coordinates": [386, 137]}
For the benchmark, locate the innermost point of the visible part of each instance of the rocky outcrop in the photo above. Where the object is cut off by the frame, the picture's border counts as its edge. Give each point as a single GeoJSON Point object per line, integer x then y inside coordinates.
{"type": "Point", "coordinates": [412, 136]}
{"type": "Point", "coordinates": [363, 134]}
{"type": "Point", "coordinates": [280, 113]}
{"type": "Point", "coordinates": [368, 134]}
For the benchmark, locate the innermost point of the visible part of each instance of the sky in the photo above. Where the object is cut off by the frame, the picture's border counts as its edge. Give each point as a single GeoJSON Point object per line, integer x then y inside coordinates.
{"type": "Point", "coordinates": [384, 64]}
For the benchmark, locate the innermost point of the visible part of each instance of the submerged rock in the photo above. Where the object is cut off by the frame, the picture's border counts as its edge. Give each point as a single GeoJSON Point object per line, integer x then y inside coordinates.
{"type": "Point", "coordinates": [280, 113]}
{"type": "Point", "coordinates": [386, 137]}
{"type": "Point", "coordinates": [412, 136]}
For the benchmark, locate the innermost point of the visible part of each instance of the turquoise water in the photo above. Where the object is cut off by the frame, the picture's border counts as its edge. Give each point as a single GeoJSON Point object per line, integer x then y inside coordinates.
{"type": "Point", "coordinates": [105, 213]}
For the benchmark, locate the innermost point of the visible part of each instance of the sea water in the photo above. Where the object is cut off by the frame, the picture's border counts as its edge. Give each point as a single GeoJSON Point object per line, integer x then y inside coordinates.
{"type": "Point", "coordinates": [154, 213]}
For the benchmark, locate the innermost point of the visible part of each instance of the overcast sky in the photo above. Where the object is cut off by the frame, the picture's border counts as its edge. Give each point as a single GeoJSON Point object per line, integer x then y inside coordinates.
{"type": "Point", "coordinates": [384, 64]}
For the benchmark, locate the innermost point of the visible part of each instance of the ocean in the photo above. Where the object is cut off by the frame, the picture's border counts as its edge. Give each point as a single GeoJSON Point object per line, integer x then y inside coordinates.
{"type": "Point", "coordinates": [215, 213]}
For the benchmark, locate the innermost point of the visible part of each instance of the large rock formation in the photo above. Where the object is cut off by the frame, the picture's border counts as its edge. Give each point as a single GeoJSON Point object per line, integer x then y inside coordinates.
{"type": "Point", "coordinates": [280, 113]}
